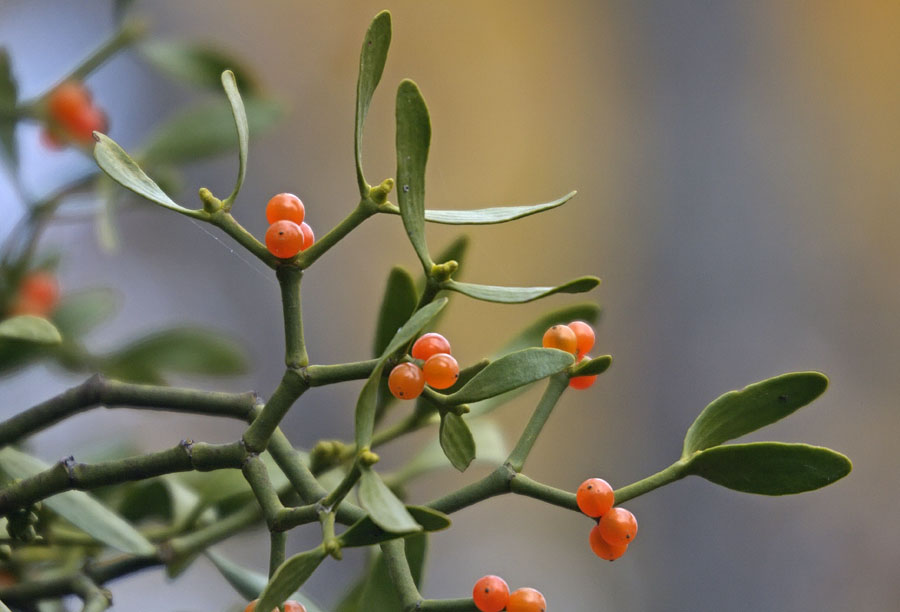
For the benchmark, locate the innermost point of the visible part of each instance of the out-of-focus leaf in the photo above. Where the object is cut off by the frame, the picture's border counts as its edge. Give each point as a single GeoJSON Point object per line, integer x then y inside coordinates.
{"type": "Point", "coordinates": [79, 508]}
{"type": "Point", "coordinates": [120, 8]}
{"type": "Point", "coordinates": [371, 65]}
{"type": "Point", "coordinates": [386, 510]}
{"type": "Point", "coordinates": [30, 328]}
{"type": "Point", "coordinates": [165, 498]}
{"type": "Point", "coordinates": [227, 489]}
{"type": "Point", "coordinates": [243, 131]}
{"type": "Point", "coordinates": [197, 64]}
{"type": "Point", "coordinates": [113, 160]}
{"type": "Point", "coordinates": [15, 354]}
{"type": "Point", "coordinates": [79, 312]}
{"type": "Point", "coordinates": [770, 468]}
{"type": "Point", "coordinates": [397, 305]}
{"type": "Point", "coordinates": [487, 216]}
{"type": "Point", "coordinates": [206, 130]}
{"type": "Point", "coordinates": [8, 98]}
{"type": "Point", "coordinates": [413, 140]}
{"type": "Point", "coordinates": [457, 441]}
{"type": "Point", "coordinates": [379, 593]}
{"type": "Point", "coordinates": [739, 412]}
{"type": "Point", "coordinates": [289, 577]}
{"type": "Point", "coordinates": [365, 532]}
{"type": "Point", "coordinates": [492, 450]}
{"type": "Point", "coordinates": [512, 371]}
{"type": "Point", "coordinates": [3, 607]}
{"type": "Point", "coordinates": [519, 295]}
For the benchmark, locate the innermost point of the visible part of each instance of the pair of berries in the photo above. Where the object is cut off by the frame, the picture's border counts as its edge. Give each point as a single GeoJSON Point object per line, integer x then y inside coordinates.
{"type": "Point", "coordinates": [577, 338]}
{"type": "Point", "coordinates": [38, 295]}
{"type": "Point", "coordinates": [289, 606]}
{"type": "Point", "coordinates": [491, 594]}
{"type": "Point", "coordinates": [73, 116]}
{"type": "Point", "coordinates": [288, 234]}
{"type": "Point", "coordinates": [439, 369]}
{"type": "Point", "coordinates": [615, 528]}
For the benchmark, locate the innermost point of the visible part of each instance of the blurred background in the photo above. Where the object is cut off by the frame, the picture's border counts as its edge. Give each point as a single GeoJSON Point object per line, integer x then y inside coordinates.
{"type": "Point", "coordinates": [736, 168]}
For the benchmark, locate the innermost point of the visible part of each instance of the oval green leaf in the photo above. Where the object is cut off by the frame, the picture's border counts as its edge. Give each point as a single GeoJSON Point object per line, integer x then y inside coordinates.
{"type": "Point", "coordinates": [397, 305]}
{"type": "Point", "coordinates": [115, 162]}
{"type": "Point", "coordinates": [510, 372]}
{"type": "Point", "coordinates": [8, 98]}
{"type": "Point", "coordinates": [739, 412]}
{"type": "Point", "coordinates": [243, 132]}
{"type": "Point", "coordinates": [593, 367]}
{"type": "Point", "coordinates": [80, 312]}
{"type": "Point", "coordinates": [457, 441]}
{"type": "Point", "coordinates": [30, 328]}
{"type": "Point", "coordinates": [197, 65]}
{"type": "Point", "coordinates": [289, 577]}
{"type": "Point", "coordinates": [770, 468]}
{"type": "Point", "coordinates": [488, 216]}
{"type": "Point", "coordinates": [79, 508]}
{"type": "Point", "coordinates": [413, 140]}
{"type": "Point", "coordinates": [372, 58]}
{"type": "Point", "coordinates": [519, 295]}
{"type": "Point", "coordinates": [365, 532]}
{"type": "Point", "coordinates": [386, 510]}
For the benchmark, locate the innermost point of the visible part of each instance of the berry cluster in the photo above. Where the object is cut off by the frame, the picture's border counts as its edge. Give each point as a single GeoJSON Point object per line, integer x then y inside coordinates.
{"type": "Point", "coordinates": [439, 369]}
{"type": "Point", "coordinates": [491, 594]}
{"type": "Point", "coordinates": [37, 295]}
{"type": "Point", "coordinates": [72, 116]}
{"type": "Point", "coordinates": [288, 234]}
{"type": "Point", "coordinates": [289, 606]}
{"type": "Point", "coordinates": [577, 338]}
{"type": "Point", "coordinates": [615, 528]}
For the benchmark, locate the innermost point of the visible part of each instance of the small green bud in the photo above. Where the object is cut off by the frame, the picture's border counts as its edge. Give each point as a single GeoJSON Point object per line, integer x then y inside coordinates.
{"type": "Point", "coordinates": [379, 194]}
{"type": "Point", "coordinates": [368, 458]}
{"type": "Point", "coordinates": [211, 203]}
{"type": "Point", "coordinates": [442, 272]}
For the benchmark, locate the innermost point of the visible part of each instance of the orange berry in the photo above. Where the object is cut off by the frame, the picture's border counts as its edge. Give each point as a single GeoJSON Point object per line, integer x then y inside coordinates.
{"type": "Point", "coordinates": [595, 497]}
{"type": "Point", "coordinates": [441, 371]}
{"type": "Point", "coordinates": [289, 606]}
{"type": "Point", "coordinates": [428, 345]}
{"type": "Point", "coordinates": [582, 382]}
{"type": "Point", "coordinates": [284, 239]}
{"type": "Point", "coordinates": [604, 549]}
{"type": "Point", "coordinates": [308, 236]}
{"type": "Point", "coordinates": [526, 600]}
{"type": "Point", "coordinates": [68, 101]}
{"type": "Point", "coordinates": [560, 337]}
{"type": "Point", "coordinates": [38, 295]}
{"type": "Point", "coordinates": [490, 594]}
{"type": "Point", "coordinates": [584, 334]}
{"type": "Point", "coordinates": [406, 381]}
{"type": "Point", "coordinates": [618, 527]}
{"type": "Point", "coordinates": [285, 206]}
{"type": "Point", "coordinates": [81, 128]}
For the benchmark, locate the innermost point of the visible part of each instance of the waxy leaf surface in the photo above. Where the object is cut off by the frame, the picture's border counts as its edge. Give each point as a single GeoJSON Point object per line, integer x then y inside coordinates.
{"type": "Point", "coordinates": [456, 440]}
{"type": "Point", "coordinates": [512, 371]}
{"type": "Point", "coordinates": [379, 501]}
{"type": "Point", "coordinates": [289, 577]}
{"type": "Point", "coordinates": [365, 532]}
{"type": "Point", "coordinates": [243, 131]}
{"type": "Point", "coordinates": [30, 328]}
{"type": "Point", "coordinates": [413, 140]}
{"type": "Point", "coordinates": [372, 58]}
{"type": "Point", "coordinates": [519, 295]}
{"type": "Point", "coordinates": [487, 216]}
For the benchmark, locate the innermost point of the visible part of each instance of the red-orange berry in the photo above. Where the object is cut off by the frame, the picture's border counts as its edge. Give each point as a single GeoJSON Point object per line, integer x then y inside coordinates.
{"type": "Point", "coordinates": [284, 239]}
{"type": "Point", "coordinates": [618, 527]}
{"type": "Point", "coordinates": [602, 548]}
{"type": "Point", "coordinates": [285, 207]}
{"type": "Point", "coordinates": [38, 295]}
{"type": "Point", "coordinates": [583, 382]}
{"type": "Point", "coordinates": [490, 594]}
{"type": "Point", "coordinates": [308, 236]}
{"type": "Point", "coordinates": [526, 600]}
{"type": "Point", "coordinates": [289, 606]}
{"type": "Point", "coordinates": [441, 371]}
{"type": "Point", "coordinates": [595, 497]}
{"type": "Point", "coordinates": [584, 335]}
{"type": "Point", "coordinates": [428, 345]}
{"type": "Point", "coordinates": [406, 381]}
{"type": "Point", "coordinates": [560, 337]}
{"type": "Point", "coordinates": [68, 101]}
{"type": "Point", "coordinates": [81, 128]}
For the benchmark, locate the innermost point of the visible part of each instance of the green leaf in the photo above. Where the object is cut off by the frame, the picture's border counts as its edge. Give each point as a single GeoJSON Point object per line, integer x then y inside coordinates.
{"type": "Point", "coordinates": [197, 64]}
{"type": "Point", "coordinates": [206, 130]}
{"type": "Point", "coordinates": [413, 140]}
{"type": "Point", "coordinates": [519, 295]}
{"type": "Point", "coordinates": [488, 216]}
{"type": "Point", "coordinates": [371, 65]}
{"type": "Point", "coordinates": [770, 468]}
{"type": "Point", "coordinates": [243, 131]}
{"type": "Point", "coordinates": [115, 162]}
{"type": "Point", "coordinates": [8, 98]}
{"type": "Point", "coordinates": [365, 532]}
{"type": "Point", "coordinates": [250, 584]}
{"type": "Point", "coordinates": [397, 305]}
{"type": "Point", "coordinates": [593, 367]}
{"type": "Point", "coordinates": [414, 325]}
{"type": "Point", "coordinates": [739, 412]}
{"type": "Point", "coordinates": [289, 577]}
{"type": "Point", "coordinates": [120, 8]}
{"type": "Point", "coordinates": [386, 510]}
{"type": "Point", "coordinates": [492, 450]}
{"type": "Point", "coordinates": [380, 594]}
{"type": "Point", "coordinates": [512, 371]}
{"type": "Point", "coordinates": [185, 350]}
{"type": "Point", "coordinates": [457, 441]}
{"type": "Point", "coordinates": [79, 312]}
{"type": "Point", "coordinates": [79, 508]}
{"type": "Point", "coordinates": [30, 328]}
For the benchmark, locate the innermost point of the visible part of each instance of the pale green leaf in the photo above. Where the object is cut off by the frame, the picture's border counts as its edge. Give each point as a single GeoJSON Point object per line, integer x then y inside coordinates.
{"type": "Point", "coordinates": [386, 510]}
{"type": "Point", "coordinates": [512, 371]}
{"type": "Point", "coordinates": [413, 140]}
{"type": "Point", "coordinates": [519, 295]}
{"type": "Point", "coordinates": [197, 64]}
{"type": "Point", "coordinates": [372, 58]}
{"type": "Point", "coordinates": [243, 131]}
{"type": "Point", "coordinates": [81, 311]}
{"type": "Point", "coordinates": [456, 441]}
{"type": "Point", "coordinates": [29, 328]}
{"type": "Point", "coordinates": [365, 532]}
{"type": "Point", "coordinates": [487, 216]}
{"type": "Point", "coordinates": [397, 305]}
{"type": "Point", "coordinates": [289, 577]}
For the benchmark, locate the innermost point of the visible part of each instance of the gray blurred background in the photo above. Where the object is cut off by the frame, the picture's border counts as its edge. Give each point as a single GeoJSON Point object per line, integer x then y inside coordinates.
{"type": "Point", "coordinates": [736, 168]}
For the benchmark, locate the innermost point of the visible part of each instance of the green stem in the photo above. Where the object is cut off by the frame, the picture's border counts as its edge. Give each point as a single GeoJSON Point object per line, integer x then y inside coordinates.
{"type": "Point", "coordinates": [676, 471]}
{"type": "Point", "coordinates": [295, 348]}
{"type": "Point", "coordinates": [523, 485]}
{"type": "Point", "coordinates": [365, 209]}
{"type": "Point", "coordinates": [495, 483]}
{"type": "Point", "coordinates": [344, 486]}
{"type": "Point", "coordinates": [329, 541]}
{"type": "Point", "coordinates": [277, 544]}
{"type": "Point", "coordinates": [394, 552]}
{"type": "Point", "coordinates": [95, 599]}
{"type": "Point", "coordinates": [555, 388]}
{"type": "Point", "coordinates": [258, 476]}
{"type": "Point", "coordinates": [320, 375]}
{"type": "Point", "coordinates": [127, 34]}
{"type": "Point", "coordinates": [292, 386]}
{"type": "Point", "coordinates": [288, 518]}
{"type": "Point", "coordinates": [228, 224]}
{"type": "Point", "coordinates": [293, 466]}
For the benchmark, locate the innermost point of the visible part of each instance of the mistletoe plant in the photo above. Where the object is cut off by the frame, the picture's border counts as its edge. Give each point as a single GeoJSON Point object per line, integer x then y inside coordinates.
{"type": "Point", "coordinates": [166, 508]}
